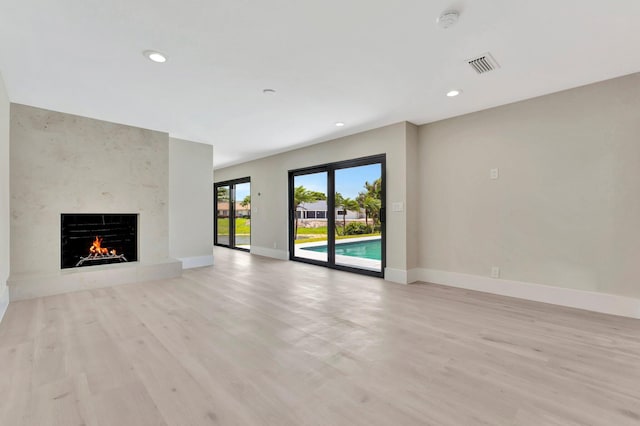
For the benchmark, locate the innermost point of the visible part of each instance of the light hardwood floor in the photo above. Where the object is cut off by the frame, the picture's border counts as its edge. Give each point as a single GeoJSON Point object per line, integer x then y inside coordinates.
{"type": "Point", "coordinates": [260, 341]}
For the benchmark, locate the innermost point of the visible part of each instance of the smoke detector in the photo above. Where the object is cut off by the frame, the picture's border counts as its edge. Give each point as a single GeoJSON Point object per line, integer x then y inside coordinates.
{"type": "Point", "coordinates": [448, 19]}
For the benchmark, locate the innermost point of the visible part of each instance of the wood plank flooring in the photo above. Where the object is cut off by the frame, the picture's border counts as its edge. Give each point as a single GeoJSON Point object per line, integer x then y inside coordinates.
{"type": "Point", "coordinates": [255, 341]}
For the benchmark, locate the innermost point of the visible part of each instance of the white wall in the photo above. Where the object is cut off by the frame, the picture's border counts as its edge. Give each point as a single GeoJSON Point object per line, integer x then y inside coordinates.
{"type": "Point", "coordinates": [269, 178]}
{"type": "Point", "coordinates": [413, 203]}
{"type": "Point", "coordinates": [565, 211]}
{"type": "Point", "coordinates": [190, 203]}
{"type": "Point", "coordinates": [562, 222]}
{"type": "Point", "coordinates": [62, 163]}
{"type": "Point", "coordinates": [4, 196]}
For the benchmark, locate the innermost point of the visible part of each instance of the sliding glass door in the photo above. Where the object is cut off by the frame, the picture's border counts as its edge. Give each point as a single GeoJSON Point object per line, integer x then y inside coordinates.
{"type": "Point", "coordinates": [310, 221]}
{"type": "Point", "coordinates": [358, 201]}
{"type": "Point", "coordinates": [337, 215]}
{"type": "Point", "coordinates": [233, 214]}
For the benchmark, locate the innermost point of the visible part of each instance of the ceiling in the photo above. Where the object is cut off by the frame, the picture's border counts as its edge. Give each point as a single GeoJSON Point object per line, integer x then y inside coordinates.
{"type": "Point", "coordinates": [362, 62]}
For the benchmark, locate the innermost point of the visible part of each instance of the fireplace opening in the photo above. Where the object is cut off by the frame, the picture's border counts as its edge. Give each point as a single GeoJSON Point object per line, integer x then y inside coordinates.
{"type": "Point", "coordinates": [98, 239]}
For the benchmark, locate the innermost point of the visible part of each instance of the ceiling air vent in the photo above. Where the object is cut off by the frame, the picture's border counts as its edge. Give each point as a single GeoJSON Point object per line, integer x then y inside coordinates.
{"type": "Point", "coordinates": [483, 63]}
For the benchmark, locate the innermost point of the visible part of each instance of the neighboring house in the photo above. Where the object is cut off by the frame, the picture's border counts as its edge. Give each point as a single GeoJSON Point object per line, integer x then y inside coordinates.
{"type": "Point", "coordinates": [318, 210]}
{"type": "Point", "coordinates": [241, 211]}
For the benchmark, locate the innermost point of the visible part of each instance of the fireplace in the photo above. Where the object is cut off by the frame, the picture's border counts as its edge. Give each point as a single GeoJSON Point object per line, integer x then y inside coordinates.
{"type": "Point", "coordinates": [98, 239]}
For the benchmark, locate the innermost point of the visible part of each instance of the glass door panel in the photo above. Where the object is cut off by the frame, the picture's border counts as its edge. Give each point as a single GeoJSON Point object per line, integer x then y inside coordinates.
{"type": "Point", "coordinates": [358, 203]}
{"type": "Point", "coordinates": [243, 215]}
{"type": "Point", "coordinates": [310, 220]}
{"type": "Point", "coordinates": [223, 215]}
{"type": "Point", "coordinates": [233, 214]}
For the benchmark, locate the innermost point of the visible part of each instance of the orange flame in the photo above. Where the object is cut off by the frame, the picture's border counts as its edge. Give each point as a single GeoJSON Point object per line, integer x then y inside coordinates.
{"type": "Point", "coordinates": [96, 247]}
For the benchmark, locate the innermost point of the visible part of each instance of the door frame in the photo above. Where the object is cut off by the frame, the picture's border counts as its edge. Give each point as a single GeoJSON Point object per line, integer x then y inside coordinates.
{"type": "Point", "coordinates": [330, 169]}
{"type": "Point", "coordinates": [232, 212]}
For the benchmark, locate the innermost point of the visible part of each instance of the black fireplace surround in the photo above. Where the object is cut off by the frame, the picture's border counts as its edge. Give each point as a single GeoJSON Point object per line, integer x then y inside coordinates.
{"type": "Point", "coordinates": [117, 234]}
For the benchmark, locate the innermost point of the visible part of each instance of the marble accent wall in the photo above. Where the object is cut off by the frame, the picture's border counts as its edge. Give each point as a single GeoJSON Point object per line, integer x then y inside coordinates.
{"type": "Point", "coordinates": [62, 163]}
{"type": "Point", "coordinates": [4, 197]}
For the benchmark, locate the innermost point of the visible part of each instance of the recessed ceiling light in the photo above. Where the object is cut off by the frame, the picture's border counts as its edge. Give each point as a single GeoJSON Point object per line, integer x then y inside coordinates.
{"type": "Point", "coordinates": [155, 56]}
{"type": "Point", "coordinates": [339, 124]}
{"type": "Point", "coordinates": [268, 91]}
{"type": "Point", "coordinates": [453, 93]}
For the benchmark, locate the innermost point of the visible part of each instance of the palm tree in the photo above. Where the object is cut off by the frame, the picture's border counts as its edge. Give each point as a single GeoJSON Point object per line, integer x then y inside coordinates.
{"type": "Point", "coordinates": [222, 197]}
{"type": "Point", "coordinates": [246, 203]}
{"type": "Point", "coordinates": [373, 199]}
{"type": "Point", "coordinates": [370, 200]}
{"type": "Point", "coordinates": [370, 205]}
{"type": "Point", "coordinates": [374, 189]}
{"type": "Point", "coordinates": [338, 200]}
{"type": "Point", "coordinates": [223, 193]}
{"type": "Point", "coordinates": [303, 195]}
{"type": "Point", "coordinates": [346, 204]}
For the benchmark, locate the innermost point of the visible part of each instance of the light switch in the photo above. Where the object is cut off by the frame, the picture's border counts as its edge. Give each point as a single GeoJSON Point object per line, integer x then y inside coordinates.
{"type": "Point", "coordinates": [397, 207]}
{"type": "Point", "coordinates": [493, 174]}
{"type": "Point", "coordinates": [495, 272]}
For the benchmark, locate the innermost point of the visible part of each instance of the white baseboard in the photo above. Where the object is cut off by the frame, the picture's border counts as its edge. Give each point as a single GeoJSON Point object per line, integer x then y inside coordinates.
{"type": "Point", "coordinates": [4, 299]}
{"type": "Point", "coordinates": [413, 275]}
{"type": "Point", "coordinates": [28, 286]}
{"type": "Point", "coordinates": [399, 276]}
{"type": "Point", "coordinates": [573, 298]}
{"type": "Point", "coordinates": [269, 252]}
{"type": "Point", "coordinates": [196, 261]}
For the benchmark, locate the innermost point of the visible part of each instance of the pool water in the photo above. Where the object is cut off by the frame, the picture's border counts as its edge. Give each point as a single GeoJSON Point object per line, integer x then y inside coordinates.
{"type": "Point", "coordinates": [370, 249]}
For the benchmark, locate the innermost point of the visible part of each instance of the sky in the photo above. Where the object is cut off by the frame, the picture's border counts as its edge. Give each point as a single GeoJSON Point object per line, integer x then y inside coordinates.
{"type": "Point", "coordinates": [242, 190]}
{"type": "Point", "coordinates": [349, 182]}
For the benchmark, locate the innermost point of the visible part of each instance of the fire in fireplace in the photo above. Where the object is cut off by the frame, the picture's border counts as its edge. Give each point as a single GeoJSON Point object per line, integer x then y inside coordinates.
{"type": "Point", "coordinates": [99, 253]}
{"type": "Point", "coordinates": [98, 239]}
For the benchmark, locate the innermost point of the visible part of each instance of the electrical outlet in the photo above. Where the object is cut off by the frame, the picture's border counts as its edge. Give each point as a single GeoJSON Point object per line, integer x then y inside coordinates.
{"type": "Point", "coordinates": [495, 272]}
{"type": "Point", "coordinates": [275, 245]}
{"type": "Point", "coordinates": [494, 174]}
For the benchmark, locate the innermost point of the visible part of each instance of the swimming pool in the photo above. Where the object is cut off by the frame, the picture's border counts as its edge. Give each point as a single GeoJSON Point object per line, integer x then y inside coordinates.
{"type": "Point", "coordinates": [370, 249]}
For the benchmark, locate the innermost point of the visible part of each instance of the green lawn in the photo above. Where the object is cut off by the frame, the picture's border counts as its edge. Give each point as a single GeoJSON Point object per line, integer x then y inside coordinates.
{"type": "Point", "coordinates": [305, 235]}
{"type": "Point", "coordinates": [312, 231]}
{"type": "Point", "coordinates": [315, 231]}
{"type": "Point", "coordinates": [243, 226]}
